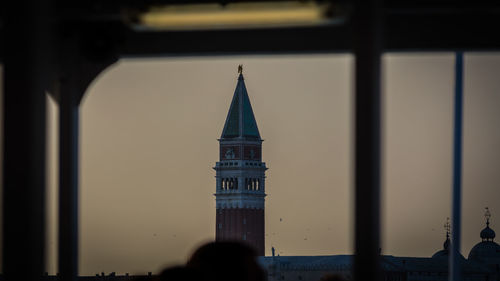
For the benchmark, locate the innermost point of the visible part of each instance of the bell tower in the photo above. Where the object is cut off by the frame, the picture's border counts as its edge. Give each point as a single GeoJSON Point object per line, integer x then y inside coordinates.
{"type": "Point", "coordinates": [240, 175]}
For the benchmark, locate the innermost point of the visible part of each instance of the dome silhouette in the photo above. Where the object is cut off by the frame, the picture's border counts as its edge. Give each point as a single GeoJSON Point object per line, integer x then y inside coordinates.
{"type": "Point", "coordinates": [487, 248]}
{"type": "Point", "coordinates": [487, 233]}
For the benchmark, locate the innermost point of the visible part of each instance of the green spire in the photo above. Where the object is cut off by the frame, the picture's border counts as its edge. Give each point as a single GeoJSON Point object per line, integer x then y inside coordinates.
{"type": "Point", "coordinates": [240, 121]}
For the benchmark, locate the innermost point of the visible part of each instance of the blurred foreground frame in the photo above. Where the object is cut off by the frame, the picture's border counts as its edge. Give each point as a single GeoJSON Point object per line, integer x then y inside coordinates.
{"type": "Point", "coordinates": [59, 47]}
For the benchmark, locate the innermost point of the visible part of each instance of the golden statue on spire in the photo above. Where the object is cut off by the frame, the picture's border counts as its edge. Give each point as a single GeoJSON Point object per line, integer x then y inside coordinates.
{"type": "Point", "coordinates": [447, 227]}
{"type": "Point", "coordinates": [240, 69]}
{"type": "Point", "coordinates": [487, 215]}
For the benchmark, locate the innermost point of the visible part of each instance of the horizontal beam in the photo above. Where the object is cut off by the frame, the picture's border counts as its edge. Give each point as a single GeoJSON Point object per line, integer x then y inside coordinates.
{"type": "Point", "coordinates": [405, 30]}
{"type": "Point", "coordinates": [441, 32]}
{"type": "Point", "coordinates": [227, 42]}
{"type": "Point", "coordinates": [422, 32]}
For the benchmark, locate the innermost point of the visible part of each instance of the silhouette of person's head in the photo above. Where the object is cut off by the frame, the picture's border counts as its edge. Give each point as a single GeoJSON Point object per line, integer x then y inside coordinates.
{"type": "Point", "coordinates": [225, 261]}
{"type": "Point", "coordinates": [179, 273]}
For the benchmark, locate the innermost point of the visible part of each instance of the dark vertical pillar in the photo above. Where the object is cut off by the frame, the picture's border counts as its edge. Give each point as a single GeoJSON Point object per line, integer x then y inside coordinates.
{"type": "Point", "coordinates": [367, 48]}
{"type": "Point", "coordinates": [69, 100]}
{"type": "Point", "coordinates": [26, 72]}
{"type": "Point", "coordinates": [455, 274]}
{"type": "Point", "coordinates": [76, 72]}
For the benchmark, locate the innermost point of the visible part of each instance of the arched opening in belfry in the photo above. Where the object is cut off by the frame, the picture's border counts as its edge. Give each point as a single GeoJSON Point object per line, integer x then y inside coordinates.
{"type": "Point", "coordinates": [247, 184]}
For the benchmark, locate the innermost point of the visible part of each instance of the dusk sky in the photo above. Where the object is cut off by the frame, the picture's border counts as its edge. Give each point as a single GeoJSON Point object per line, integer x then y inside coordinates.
{"type": "Point", "coordinates": [149, 130]}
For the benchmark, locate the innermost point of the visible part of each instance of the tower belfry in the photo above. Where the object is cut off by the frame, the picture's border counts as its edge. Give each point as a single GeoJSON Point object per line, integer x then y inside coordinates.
{"type": "Point", "coordinates": [240, 175]}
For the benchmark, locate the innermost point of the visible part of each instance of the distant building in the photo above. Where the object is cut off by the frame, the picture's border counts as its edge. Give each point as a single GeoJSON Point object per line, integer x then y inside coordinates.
{"type": "Point", "coordinates": [487, 251]}
{"type": "Point", "coordinates": [240, 175]}
{"type": "Point", "coordinates": [483, 263]}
